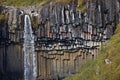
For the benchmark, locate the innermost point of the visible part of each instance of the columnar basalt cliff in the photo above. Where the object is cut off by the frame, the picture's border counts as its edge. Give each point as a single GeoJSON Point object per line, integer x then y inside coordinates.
{"type": "Point", "coordinates": [64, 36]}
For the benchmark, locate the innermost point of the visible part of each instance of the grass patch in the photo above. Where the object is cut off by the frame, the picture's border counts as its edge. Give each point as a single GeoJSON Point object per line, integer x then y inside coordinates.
{"type": "Point", "coordinates": [2, 17]}
{"type": "Point", "coordinates": [21, 2]}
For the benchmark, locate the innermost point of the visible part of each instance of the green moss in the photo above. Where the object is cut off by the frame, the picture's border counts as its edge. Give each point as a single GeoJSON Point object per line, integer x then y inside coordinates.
{"type": "Point", "coordinates": [31, 2]}
{"type": "Point", "coordinates": [82, 5]}
{"type": "Point", "coordinates": [64, 2]}
{"type": "Point", "coordinates": [22, 2]}
{"type": "Point", "coordinates": [34, 22]}
{"type": "Point", "coordinates": [2, 17]}
{"type": "Point", "coordinates": [97, 69]}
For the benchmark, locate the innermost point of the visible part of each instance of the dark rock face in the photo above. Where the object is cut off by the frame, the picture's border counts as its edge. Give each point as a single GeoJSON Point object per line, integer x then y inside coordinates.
{"type": "Point", "coordinates": [62, 36]}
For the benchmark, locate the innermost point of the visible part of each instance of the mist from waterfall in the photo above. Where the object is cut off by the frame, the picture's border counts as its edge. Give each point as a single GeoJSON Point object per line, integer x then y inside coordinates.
{"type": "Point", "coordinates": [30, 66]}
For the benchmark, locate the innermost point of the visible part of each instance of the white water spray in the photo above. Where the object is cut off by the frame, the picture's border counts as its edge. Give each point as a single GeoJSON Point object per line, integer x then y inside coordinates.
{"type": "Point", "coordinates": [30, 66]}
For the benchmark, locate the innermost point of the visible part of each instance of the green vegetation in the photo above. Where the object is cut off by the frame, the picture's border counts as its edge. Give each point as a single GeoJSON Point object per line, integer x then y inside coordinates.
{"type": "Point", "coordinates": [21, 2]}
{"type": "Point", "coordinates": [98, 69]}
{"type": "Point", "coordinates": [2, 17]}
{"type": "Point", "coordinates": [34, 22]}
{"type": "Point", "coordinates": [82, 5]}
{"type": "Point", "coordinates": [31, 2]}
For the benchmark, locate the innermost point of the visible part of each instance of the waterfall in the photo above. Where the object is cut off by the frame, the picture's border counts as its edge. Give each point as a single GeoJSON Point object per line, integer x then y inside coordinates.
{"type": "Point", "coordinates": [30, 66]}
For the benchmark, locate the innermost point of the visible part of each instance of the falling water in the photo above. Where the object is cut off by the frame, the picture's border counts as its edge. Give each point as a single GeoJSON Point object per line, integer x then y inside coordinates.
{"type": "Point", "coordinates": [30, 67]}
